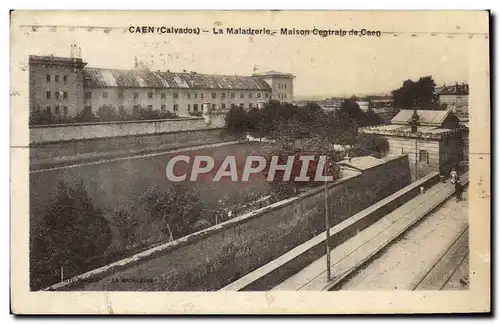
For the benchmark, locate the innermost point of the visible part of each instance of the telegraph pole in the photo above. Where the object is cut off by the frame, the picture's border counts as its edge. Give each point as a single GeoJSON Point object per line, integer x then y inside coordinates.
{"type": "Point", "coordinates": [327, 225]}
{"type": "Point", "coordinates": [414, 127]}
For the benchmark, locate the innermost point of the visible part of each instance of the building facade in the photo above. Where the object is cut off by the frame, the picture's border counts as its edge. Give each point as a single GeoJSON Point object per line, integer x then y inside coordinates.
{"type": "Point", "coordinates": [456, 98]}
{"type": "Point", "coordinates": [436, 145]}
{"type": "Point", "coordinates": [281, 85]}
{"type": "Point", "coordinates": [65, 87]}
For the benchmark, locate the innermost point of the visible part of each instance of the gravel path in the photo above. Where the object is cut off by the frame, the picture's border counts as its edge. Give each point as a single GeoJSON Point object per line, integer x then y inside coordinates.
{"type": "Point", "coordinates": [404, 263]}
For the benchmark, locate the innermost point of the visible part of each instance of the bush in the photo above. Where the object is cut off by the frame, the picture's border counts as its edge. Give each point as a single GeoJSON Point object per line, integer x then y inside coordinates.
{"type": "Point", "coordinates": [196, 113]}
{"type": "Point", "coordinates": [72, 234]}
{"type": "Point", "coordinates": [371, 144]}
{"type": "Point", "coordinates": [176, 210]}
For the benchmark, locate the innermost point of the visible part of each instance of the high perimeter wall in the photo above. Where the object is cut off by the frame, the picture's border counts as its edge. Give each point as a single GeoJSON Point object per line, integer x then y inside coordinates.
{"type": "Point", "coordinates": [217, 256]}
{"type": "Point", "coordinates": [81, 131]}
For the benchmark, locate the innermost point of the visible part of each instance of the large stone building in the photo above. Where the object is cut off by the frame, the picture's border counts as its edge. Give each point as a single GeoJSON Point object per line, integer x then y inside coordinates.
{"type": "Point", "coordinates": [456, 98]}
{"type": "Point", "coordinates": [65, 87]}
{"type": "Point", "coordinates": [436, 144]}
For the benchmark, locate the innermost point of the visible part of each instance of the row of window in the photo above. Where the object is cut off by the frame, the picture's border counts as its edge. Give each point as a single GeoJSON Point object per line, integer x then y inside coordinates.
{"type": "Point", "coordinates": [196, 107]}
{"type": "Point", "coordinates": [57, 110]}
{"type": "Point", "coordinates": [282, 85]}
{"type": "Point", "coordinates": [121, 95]}
{"type": "Point", "coordinates": [57, 95]}
{"type": "Point", "coordinates": [49, 78]}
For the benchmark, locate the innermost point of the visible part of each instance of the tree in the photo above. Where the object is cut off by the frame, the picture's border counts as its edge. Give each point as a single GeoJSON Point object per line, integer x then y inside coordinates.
{"type": "Point", "coordinates": [236, 120]}
{"type": "Point", "coordinates": [71, 234]}
{"type": "Point", "coordinates": [176, 210]}
{"type": "Point", "coordinates": [107, 113]}
{"type": "Point", "coordinates": [371, 144]}
{"type": "Point", "coordinates": [126, 225]}
{"type": "Point", "coordinates": [421, 94]}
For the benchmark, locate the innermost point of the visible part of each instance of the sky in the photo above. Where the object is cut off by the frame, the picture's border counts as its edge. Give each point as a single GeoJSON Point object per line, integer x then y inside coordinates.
{"type": "Point", "coordinates": [323, 66]}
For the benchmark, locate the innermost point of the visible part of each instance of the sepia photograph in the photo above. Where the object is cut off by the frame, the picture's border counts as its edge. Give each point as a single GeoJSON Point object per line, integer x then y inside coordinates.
{"type": "Point", "coordinates": [340, 154]}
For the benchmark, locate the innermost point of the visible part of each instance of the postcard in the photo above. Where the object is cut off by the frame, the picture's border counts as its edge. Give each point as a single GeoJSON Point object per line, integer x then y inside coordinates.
{"type": "Point", "coordinates": [250, 162]}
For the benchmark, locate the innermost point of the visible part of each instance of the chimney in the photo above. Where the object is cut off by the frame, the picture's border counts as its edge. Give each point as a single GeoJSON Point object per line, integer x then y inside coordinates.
{"type": "Point", "coordinates": [414, 121]}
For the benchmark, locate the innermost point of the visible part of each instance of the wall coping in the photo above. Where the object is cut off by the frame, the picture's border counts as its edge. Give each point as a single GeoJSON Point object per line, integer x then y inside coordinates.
{"type": "Point", "coordinates": [180, 118]}
{"type": "Point", "coordinates": [197, 236]}
{"type": "Point", "coordinates": [321, 238]}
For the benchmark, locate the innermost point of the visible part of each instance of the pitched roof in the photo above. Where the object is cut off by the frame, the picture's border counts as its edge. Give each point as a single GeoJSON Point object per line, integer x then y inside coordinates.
{"type": "Point", "coordinates": [98, 77]}
{"type": "Point", "coordinates": [427, 117]}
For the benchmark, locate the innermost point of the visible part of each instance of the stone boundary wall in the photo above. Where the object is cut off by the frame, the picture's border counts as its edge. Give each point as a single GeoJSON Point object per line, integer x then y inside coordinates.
{"type": "Point", "coordinates": [214, 257]}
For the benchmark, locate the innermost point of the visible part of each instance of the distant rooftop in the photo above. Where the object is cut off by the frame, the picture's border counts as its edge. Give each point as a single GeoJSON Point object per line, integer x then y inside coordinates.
{"type": "Point", "coordinates": [54, 60]}
{"type": "Point", "coordinates": [456, 89]}
{"type": "Point", "coordinates": [274, 73]}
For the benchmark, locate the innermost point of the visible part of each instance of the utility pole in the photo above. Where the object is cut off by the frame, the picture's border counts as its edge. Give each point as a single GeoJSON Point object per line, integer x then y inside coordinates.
{"type": "Point", "coordinates": [414, 127]}
{"type": "Point", "coordinates": [327, 225]}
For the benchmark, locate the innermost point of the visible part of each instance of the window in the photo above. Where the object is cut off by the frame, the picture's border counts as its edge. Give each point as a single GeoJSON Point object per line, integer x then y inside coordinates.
{"type": "Point", "coordinates": [188, 95]}
{"type": "Point", "coordinates": [195, 96]}
{"type": "Point", "coordinates": [423, 156]}
{"type": "Point", "coordinates": [402, 151]}
{"type": "Point", "coordinates": [250, 105]}
{"type": "Point", "coordinates": [150, 107]}
{"type": "Point", "coordinates": [47, 94]}
{"type": "Point", "coordinates": [121, 110]}
{"type": "Point", "coordinates": [47, 77]}
{"type": "Point", "coordinates": [150, 95]}
{"type": "Point", "coordinates": [201, 95]}
{"type": "Point", "coordinates": [214, 95]}
{"type": "Point", "coordinates": [56, 78]}
{"type": "Point", "coordinates": [189, 107]}
{"type": "Point", "coordinates": [163, 95]}
{"type": "Point", "coordinates": [242, 95]}
{"type": "Point", "coordinates": [136, 109]}
{"type": "Point", "coordinates": [105, 95]}
{"type": "Point", "coordinates": [213, 106]}
{"type": "Point", "coordinates": [88, 95]}
{"type": "Point", "coordinates": [65, 79]}
{"type": "Point", "coordinates": [88, 110]}
{"type": "Point", "coordinates": [223, 95]}
{"type": "Point", "coordinates": [285, 85]}
{"type": "Point", "coordinates": [284, 95]}
{"type": "Point", "coordinates": [250, 95]}
{"type": "Point", "coordinates": [65, 95]}
{"type": "Point", "coordinates": [223, 106]}
{"type": "Point", "coordinates": [163, 107]}
{"type": "Point", "coordinates": [232, 95]}
{"type": "Point", "coordinates": [120, 94]}
{"type": "Point", "coordinates": [65, 110]}
{"type": "Point", "coordinates": [176, 107]}
{"type": "Point", "coordinates": [176, 95]}
{"type": "Point", "coordinates": [48, 109]}
{"type": "Point", "coordinates": [195, 107]}
{"type": "Point", "coordinates": [136, 95]}
{"type": "Point", "coordinates": [57, 94]}
{"type": "Point", "coordinates": [267, 94]}
{"type": "Point", "coordinates": [258, 95]}
{"type": "Point", "coordinates": [57, 110]}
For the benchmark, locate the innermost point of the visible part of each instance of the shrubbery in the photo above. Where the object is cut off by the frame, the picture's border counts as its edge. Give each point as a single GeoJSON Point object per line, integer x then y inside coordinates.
{"type": "Point", "coordinates": [71, 235]}
{"type": "Point", "coordinates": [106, 113]}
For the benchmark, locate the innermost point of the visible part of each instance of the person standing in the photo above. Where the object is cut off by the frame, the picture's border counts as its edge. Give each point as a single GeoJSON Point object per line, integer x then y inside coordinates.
{"type": "Point", "coordinates": [453, 175]}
